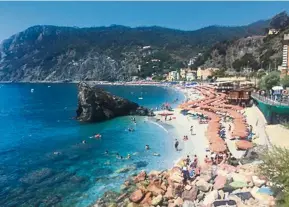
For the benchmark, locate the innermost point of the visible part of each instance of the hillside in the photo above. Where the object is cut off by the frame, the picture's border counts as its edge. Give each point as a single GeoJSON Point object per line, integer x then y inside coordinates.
{"type": "Point", "coordinates": [54, 53]}
{"type": "Point", "coordinates": [255, 52]}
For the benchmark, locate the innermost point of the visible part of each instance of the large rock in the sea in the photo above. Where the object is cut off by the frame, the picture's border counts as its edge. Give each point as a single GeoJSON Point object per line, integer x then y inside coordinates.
{"type": "Point", "coordinates": [95, 105]}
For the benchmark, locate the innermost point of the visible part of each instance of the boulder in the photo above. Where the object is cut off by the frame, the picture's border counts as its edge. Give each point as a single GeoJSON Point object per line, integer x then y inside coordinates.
{"type": "Point", "coordinates": [203, 185]}
{"type": "Point", "coordinates": [157, 200]}
{"type": "Point", "coordinates": [221, 194]}
{"type": "Point", "coordinates": [201, 196]}
{"type": "Point", "coordinates": [258, 182]}
{"type": "Point", "coordinates": [147, 199]}
{"type": "Point", "coordinates": [95, 105]}
{"type": "Point", "coordinates": [239, 178]}
{"type": "Point", "coordinates": [140, 177]}
{"type": "Point", "coordinates": [155, 190]}
{"type": "Point", "coordinates": [132, 205]}
{"type": "Point", "coordinates": [191, 194]}
{"type": "Point", "coordinates": [176, 175]}
{"type": "Point", "coordinates": [220, 182]}
{"type": "Point", "coordinates": [169, 193]}
{"type": "Point", "coordinates": [178, 202]}
{"type": "Point", "coordinates": [188, 204]}
{"type": "Point", "coordinates": [136, 196]}
{"type": "Point", "coordinates": [210, 198]}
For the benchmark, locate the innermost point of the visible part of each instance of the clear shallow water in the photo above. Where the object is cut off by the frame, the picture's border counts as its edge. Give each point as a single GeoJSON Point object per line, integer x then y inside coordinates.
{"type": "Point", "coordinates": [34, 125]}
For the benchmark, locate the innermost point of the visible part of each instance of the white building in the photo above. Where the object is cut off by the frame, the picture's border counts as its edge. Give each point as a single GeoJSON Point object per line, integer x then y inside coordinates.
{"type": "Point", "coordinates": [190, 76]}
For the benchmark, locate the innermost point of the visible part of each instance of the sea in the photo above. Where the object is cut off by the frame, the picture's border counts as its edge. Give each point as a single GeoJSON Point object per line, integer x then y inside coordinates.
{"type": "Point", "coordinates": [43, 161]}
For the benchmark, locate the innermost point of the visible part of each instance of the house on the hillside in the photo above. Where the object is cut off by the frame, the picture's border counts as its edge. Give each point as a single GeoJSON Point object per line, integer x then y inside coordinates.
{"type": "Point", "coordinates": [273, 31]}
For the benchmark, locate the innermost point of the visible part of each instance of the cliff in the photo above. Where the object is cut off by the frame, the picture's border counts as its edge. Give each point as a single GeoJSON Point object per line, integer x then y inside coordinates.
{"type": "Point", "coordinates": [95, 105]}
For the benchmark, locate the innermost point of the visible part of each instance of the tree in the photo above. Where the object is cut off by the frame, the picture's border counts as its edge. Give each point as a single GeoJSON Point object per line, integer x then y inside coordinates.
{"type": "Point", "coordinates": [285, 81]}
{"type": "Point", "coordinates": [261, 73]}
{"type": "Point", "coordinates": [275, 167]}
{"type": "Point", "coordinates": [270, 80]}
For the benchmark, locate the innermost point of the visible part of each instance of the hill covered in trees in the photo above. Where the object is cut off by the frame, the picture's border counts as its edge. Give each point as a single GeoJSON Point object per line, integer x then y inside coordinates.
{"type": "Point", "coordinates": [253, 52]}
{"type": "Point", "coordinates": [50, 53]}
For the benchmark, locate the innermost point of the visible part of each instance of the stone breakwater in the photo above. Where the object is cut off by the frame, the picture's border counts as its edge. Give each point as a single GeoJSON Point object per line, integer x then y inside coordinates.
{"type": "Point", "coordinates": [225, 185]}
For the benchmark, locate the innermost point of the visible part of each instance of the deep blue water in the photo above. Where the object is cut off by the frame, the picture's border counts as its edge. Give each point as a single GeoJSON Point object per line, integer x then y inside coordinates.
{"type": "Point", "coordinates": [35, 125]}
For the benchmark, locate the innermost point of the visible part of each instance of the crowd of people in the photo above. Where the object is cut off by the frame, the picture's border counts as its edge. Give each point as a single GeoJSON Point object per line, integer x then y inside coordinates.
{"type": "Point", "coordinates": [190, 169]}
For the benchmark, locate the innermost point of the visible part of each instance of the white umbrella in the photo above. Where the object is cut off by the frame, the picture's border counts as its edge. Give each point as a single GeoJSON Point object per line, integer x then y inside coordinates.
{"type": "Point", "coordinates": [277, 88]}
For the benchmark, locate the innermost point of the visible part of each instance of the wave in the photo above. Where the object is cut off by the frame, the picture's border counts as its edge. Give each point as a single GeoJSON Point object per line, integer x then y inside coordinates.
{"type": "Point", "coordinates": [159, 125]}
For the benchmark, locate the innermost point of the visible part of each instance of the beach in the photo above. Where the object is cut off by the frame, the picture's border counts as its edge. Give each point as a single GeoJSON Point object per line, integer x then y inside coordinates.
{"type": "Point", "coordinates": [172, 187]}
{"type": "Point", "coordinates": [197, 142]}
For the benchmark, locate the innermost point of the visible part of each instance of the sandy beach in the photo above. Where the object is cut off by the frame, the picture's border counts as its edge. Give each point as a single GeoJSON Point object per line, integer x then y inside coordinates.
{"type": "Point", "coordinates": [197, 142]}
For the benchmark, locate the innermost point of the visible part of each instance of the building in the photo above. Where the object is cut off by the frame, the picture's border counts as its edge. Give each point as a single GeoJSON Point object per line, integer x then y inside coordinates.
{"type": "Point", "coordinates": [190, 76]}
{"type": "Point", "coordinates": [203, 74]}
{"type": "Point", "coordinates": [285, 57]}
{"type": "Point", "coordinates": [173, 76]}
{"type": "Point", "coordinates": [273, 31]}
{"type": "Point", "coordinates": [183, 73]}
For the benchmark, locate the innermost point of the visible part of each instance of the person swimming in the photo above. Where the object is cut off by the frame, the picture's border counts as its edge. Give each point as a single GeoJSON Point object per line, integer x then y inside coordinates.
{"type": "Point", "coordinates": [147, 147]}
{"type": "Point", "coordinates": [83, 142]}
{"type": "Point", "coordinates": [106, 152]}
{"type": "Point", "coordinates": [97, 136]}
{"type": "Point", "coordinates": [128, 156]}
{"type": "Point", "coordinates": [156, 154]}
{"type": "Point", "coordinates": [130, 129]}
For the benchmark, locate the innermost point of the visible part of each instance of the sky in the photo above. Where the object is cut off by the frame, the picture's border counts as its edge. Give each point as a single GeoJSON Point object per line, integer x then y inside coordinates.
{"type": "Point", "coordinates": [18, 16]}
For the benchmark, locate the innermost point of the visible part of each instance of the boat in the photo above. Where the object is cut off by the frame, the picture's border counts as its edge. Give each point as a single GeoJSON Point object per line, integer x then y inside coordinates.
{"type": "Point", "coordinates": [140, 97]}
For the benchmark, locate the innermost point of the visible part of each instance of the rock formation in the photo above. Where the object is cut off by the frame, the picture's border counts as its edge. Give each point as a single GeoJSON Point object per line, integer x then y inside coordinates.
{"type": "Point", "coordinates": [95, 105]}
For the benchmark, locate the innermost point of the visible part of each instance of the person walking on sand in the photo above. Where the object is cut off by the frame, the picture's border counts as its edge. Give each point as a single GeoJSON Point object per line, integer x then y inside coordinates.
{"type": "Point", "coordinates": [176, 145]}
{"type": "Point", "coordinates": [192, 130]}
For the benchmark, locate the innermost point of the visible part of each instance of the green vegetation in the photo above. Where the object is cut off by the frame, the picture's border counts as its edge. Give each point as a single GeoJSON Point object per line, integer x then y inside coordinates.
{"type": "Point", "coordinates": [275, 167]}
{"type": "Point", "coordinates": [247, 61]}
{"type": "Point", "coordinates": [270, 80]}
{"type": "Point", "coordinates": [285, 81]}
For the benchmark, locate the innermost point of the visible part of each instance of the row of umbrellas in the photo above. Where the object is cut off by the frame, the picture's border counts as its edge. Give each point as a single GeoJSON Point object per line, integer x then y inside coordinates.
{"type": "Point", "coordinates": [211, 105]}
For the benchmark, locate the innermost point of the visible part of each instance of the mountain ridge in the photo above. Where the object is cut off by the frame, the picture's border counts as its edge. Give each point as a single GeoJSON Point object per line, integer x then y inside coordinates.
{"type": "Point", "coordinates": [53, 53]}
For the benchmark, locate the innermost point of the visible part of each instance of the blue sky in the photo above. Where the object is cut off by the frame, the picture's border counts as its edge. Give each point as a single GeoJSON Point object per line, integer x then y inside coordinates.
{"type": "Point", "coordinates": [17, 16]}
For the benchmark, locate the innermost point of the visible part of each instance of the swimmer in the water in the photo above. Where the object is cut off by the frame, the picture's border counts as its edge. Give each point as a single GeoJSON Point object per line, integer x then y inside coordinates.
{"type": "Point", "coordinates": [56, 153]}
{"type": "Point", "coordinates": [128, 156]}
{"type": "Point", "coordinates": [83, 142]}
{"type": "Point", "coordinates": [156, 154]}
{"type": "Point", "coordinates": [147, 147]}
{"type": "Point", "coordinates": [106, 152]}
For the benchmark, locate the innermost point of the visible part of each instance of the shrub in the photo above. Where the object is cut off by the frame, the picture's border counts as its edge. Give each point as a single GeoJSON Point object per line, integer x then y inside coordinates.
{"type": "Point", "coordinates": [275, 167]}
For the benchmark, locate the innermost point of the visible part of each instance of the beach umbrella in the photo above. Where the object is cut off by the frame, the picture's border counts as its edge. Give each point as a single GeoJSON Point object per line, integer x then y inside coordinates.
{"type": "Point", "coordinates": [244, 145]}
{"type": "Point", "coordinates": [218, 147]}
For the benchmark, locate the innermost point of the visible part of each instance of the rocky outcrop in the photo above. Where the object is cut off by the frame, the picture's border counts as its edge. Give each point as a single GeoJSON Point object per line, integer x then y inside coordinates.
{"type": "Point", "coordinates": [95, 105]}
{"type": "Point", "coordinates": [162, 189]}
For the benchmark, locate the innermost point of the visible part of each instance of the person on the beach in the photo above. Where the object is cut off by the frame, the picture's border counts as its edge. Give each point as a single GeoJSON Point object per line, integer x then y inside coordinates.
{"type": "Point", "coordinates": [147, 147]}
{"type": "Point", "coordinates": [176, 144]}
{"type": "Point", "coordinates": [186, 174]}
{"type": "Point", "coordinates": [165, 117]}
{"type": "Point", "coordinates": [230, 127]}
{"type": "Point", "coordinates": [195, 162]}
{"type": "Point", "coordinates": [207, 160]}
{"type": "Point", "coordinates": [192, 130]}
{"type": "Point", "coordinates": [188, 160]}
{"type": "Point", "coordinates": [251, 129]}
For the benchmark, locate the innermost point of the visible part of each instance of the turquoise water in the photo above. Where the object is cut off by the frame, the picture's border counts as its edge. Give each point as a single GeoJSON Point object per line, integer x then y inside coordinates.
{"type": "Point", "coordinates": [34, 125]}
